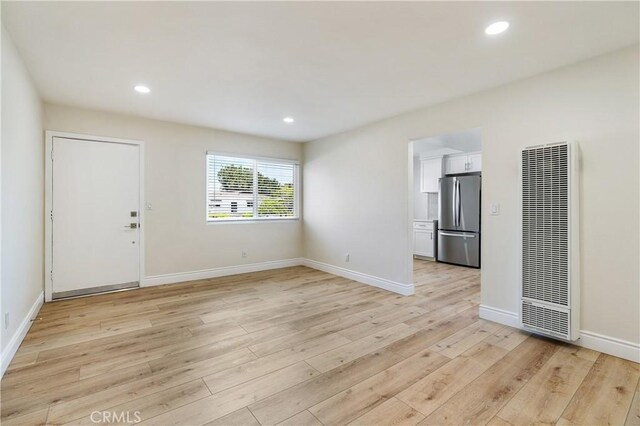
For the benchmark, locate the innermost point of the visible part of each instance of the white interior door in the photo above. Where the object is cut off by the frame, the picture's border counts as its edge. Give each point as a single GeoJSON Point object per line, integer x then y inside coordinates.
{"type": "Point", "coordinates": [95, 216]}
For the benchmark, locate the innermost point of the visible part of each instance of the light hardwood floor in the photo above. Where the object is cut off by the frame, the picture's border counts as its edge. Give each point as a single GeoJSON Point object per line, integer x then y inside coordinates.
{"type": "Point", "coordinates": [298, 347]}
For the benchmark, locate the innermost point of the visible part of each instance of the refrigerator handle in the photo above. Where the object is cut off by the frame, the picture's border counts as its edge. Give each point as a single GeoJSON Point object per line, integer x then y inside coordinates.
{"type": "Point", "coordinates": [449, 234]}
{"type": "Point", "coordinates": [459, 207]}
{"type": "Point", "coordinates": [455, 202]}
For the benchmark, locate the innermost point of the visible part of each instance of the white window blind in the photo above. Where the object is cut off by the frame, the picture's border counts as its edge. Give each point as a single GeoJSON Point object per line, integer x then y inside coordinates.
{"type": "Point", "coordinates": [243, 188]}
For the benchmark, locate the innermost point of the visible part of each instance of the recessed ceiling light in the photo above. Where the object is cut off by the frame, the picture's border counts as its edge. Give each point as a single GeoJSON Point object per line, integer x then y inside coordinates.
{"type": "Point", "coordinates": [497, 28]}
{"type": "Point", "coordinates": [288, 120]}
{"type": "Point", "coordinates": [141, 89]}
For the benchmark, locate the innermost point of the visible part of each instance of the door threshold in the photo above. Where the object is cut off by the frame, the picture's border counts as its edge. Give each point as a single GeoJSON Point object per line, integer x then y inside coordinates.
{"type": "Point", "coordinates": [95, 290]}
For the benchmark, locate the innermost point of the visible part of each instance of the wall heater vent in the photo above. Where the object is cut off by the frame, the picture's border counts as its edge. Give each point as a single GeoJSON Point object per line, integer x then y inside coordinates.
{"type": "Point", "coordinates": [550, 280]}
{"type": "Point", "coordinates": [547, 320]}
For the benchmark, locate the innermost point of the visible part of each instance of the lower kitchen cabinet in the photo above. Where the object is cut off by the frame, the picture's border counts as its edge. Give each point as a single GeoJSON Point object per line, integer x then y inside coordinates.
{"type": "Point", "coordinates": [424, 239]}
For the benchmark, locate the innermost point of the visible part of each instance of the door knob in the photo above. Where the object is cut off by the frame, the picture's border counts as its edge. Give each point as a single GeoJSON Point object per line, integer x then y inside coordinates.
{"type": "Point", "coordinates": [132, 226]}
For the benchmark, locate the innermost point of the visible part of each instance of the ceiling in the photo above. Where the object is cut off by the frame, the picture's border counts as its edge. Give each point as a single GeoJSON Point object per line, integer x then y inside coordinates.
{"type": "Point", "coordinates": [450, 143]}
{"type": "Point", "coordinates": [333, 66]}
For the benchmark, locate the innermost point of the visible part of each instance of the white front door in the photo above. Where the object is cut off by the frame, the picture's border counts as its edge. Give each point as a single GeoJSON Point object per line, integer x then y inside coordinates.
{"type": "Point", "coordinates": [95, 216]}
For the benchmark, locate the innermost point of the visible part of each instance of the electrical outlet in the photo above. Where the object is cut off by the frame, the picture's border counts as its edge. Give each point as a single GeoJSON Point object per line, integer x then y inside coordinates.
{"type": "Point", "coordinates": [347, 257]}
{"type": "Point", "coordinates": [6, 320]}
{"type": "Point", "coordinates": [244, 254]}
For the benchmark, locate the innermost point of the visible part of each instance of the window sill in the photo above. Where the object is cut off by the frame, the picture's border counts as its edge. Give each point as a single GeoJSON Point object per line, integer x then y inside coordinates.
{"type": "Point", "coordinates": [239, 221]}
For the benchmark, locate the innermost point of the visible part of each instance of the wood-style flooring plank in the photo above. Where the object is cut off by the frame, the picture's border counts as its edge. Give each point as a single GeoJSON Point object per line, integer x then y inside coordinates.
{"type": "Point", "coordinates": [606, 393]}
{"type": "Point", "coordinates": [429, 393]}
{"type": "Point", "coordinates": [478, 402]}
{"type": "Point", "coordinates": [464, 339]}
{"type": "Point", "coordinates": [230, 400]}
{"type": "Point", "coordinates": [354, 350]}
{"type": "Point", "coordinates": [633, 417]}
{"type": "Point", "coordinates": [241, 417]}
{"type": "Point", "coordinates": [304, 418]}
{"type": "Point", "coordinates": [83, 405]}
{"type": "Point", "coordinates": [497, 421]}
{"type": "Point", "coordinates": [234, 376]}
{"type": "Point", "coordinates": [285, 404]}
{"type": "Point", "coordinates": [547, 394]}
{"type": "Point", "coordinates": [351, 403]}
{"type": "Point", "coordinates": [34, 418]}
{"type": "Point", "coordinates": [33, 397]}
{"type": "Point", "coordinates": [391, 412]}
{"type": "Point", "coordinates": [152, 405]}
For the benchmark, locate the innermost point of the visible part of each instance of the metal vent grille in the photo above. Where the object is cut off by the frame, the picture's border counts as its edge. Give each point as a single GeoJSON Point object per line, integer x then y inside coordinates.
{"type": "Point", "coordinates": [548, 319]}
{"type": "Point", "coordinates": [545, 217]}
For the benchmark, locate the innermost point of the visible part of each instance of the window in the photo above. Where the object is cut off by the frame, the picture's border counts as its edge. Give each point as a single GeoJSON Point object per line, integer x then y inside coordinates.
{"type": "Point", "coordinates": [245, 188]}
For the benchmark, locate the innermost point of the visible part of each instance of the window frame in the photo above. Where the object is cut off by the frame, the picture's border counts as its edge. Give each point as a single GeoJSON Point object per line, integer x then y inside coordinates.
{"type": "Point", "coordinates": [256, 159]}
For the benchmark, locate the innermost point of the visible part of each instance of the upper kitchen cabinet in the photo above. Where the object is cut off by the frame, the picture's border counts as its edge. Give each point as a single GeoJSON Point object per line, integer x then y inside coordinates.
{"type": "Point", "coordinates": [456, 164]}
{"type": "Point", "coordinates": [463, 163]}
{"type": "Point", "coordinates": [475, 162]}
{"type": "Point", "coordinates": [430, 172]}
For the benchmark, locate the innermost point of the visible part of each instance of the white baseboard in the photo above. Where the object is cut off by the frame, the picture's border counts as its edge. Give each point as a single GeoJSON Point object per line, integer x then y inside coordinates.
{"type": "Point", "coordinates": [18, 336]}
{"type": "Point", "coordinates": [404, 289]}
{"type": "Point", "coordinates": [610, 345]}
{"type": "Point", "coordinates": [396, 287]}
{"type": "Point", "coordinates": [590, 340]}
{"type": "Point", "coordinates": [500, 316]}
{"type": "Point", "coordinates": [218, 272]}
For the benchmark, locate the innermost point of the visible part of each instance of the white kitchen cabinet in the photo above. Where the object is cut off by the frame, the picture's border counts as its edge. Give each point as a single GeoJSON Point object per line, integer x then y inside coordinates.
{"type": "Point", "coordinates": [463, 163]}
{"type": "Point", "coordinates": [424, 239]}
{"type": "Point", "coordinates": [456, 164]}
{"type": "Point", "coordinates": [475, 162]}
{"type": "Point", "coordinates": [430, 172]}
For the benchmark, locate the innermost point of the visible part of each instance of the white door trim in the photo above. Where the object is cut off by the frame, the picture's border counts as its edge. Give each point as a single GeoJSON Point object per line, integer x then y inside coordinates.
{"type": "Point", "coordinates": [48, 194]}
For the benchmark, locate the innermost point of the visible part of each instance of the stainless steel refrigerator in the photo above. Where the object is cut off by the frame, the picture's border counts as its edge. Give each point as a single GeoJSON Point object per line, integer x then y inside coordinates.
{"type": "Point", "coordinates": [459, 223]}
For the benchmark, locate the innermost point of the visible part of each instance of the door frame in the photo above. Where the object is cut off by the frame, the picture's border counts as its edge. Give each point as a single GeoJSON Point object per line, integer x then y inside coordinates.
{"type": "Point", "coordinates": [48, 199]}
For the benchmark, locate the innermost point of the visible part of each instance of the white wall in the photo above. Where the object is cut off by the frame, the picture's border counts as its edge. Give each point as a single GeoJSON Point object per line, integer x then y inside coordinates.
{"type": "Point", "coordinates": [356, 198]}
{"type": "Point", "coordinates": [22, 196]}
{"type": "Point", "coordinates": [177, 237]}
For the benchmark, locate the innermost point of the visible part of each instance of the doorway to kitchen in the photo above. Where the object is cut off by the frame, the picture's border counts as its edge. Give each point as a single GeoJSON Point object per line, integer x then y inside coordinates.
{"type": "Point", "coordinates": [445, 191]}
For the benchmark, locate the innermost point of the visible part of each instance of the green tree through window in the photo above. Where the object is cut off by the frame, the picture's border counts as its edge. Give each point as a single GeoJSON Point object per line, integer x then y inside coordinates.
{"type": "Point", "coordinates": [280, 203]}
{"type": "Point", "coordinates": [239, 178]}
